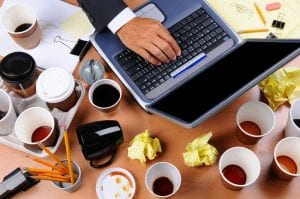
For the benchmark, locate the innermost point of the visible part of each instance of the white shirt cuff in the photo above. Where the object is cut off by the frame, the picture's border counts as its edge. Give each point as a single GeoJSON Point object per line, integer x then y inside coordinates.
{"type": "Point", "coordinates": [122, 18]}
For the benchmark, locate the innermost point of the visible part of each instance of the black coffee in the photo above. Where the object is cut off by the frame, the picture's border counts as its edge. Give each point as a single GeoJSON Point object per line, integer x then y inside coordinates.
{"type": "Point", "coordinates": [162, 186]}
{"type": "Point", "coordinates": [297, 122]}
{"type": "Point", "coordinates": [105, 95]}
{"type": "Point", "coordinates": [2, 114]}
{"type": "Point", "coordinates": [23, 27]}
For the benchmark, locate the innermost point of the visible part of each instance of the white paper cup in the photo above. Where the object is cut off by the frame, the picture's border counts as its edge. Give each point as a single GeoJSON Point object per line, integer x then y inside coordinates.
{"type": "Point", "coordinates": [244, 159]}
{"type": "Point", "coordinates": [291, 129]}
{"type": "Point", "coordinates": [288, 147]}
{"type": "Point", "coordinates": [162, 170]}
{"type": "Point", "coordinates": [260, 114]}
{"type": "Point", "coordinates": [68, 186]}
{"type": "Point", "coordinates": [8, 120]}
{"type": "Point", "coordinates": [17, 15]}
{"type": "Point", "coordinates": [31, 119]}
{"type": "Point", "coordinates": [56, 87]}
{"type": "Point", "coordinates": [107, 99]}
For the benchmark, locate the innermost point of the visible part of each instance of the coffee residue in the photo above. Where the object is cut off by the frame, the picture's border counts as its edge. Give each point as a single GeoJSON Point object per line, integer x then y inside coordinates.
{"type": "Point", "coordinates": [250, 127]}
{"type": "Point", "coordinates": [2, 114]}
{"type": "Point", "coordinates": [23, 27]}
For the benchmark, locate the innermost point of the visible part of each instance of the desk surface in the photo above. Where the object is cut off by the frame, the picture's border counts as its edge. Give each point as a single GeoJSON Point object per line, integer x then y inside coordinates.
{"type": "Point", "coordinates": [202, 182]}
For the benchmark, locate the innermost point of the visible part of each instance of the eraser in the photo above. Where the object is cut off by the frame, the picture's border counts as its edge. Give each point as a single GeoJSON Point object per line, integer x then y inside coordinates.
{"type": "Point", "coordinates": [273, 6]}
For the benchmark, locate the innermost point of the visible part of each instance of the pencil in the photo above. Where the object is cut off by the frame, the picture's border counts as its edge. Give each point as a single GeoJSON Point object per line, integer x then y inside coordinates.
{"type": "Point", "coordinates": [67, 145]}
{"type": "Point", "coordinates": [49, 178]}
{"type": "Point", "coordinates": [54, 157]}
{"type": "Point", "coordinates": [253, 31]}
{"type": "Point", "coordinates": [38, 170]}
{"type": "Point", "coordinates": [54, 176]}
{"type": "Point", "coordinates": [44, 162]}
{"type": "Point", "coordinates": [261, 16]}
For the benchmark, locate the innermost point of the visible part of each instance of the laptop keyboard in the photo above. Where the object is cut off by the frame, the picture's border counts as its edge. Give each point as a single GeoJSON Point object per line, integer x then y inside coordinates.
{"type": "Point", "coordinates": [197, 34]}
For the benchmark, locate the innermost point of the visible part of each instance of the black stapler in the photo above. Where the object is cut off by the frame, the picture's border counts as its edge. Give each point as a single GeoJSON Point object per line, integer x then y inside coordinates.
{"type": "Point", "coordinates": [99, 139]}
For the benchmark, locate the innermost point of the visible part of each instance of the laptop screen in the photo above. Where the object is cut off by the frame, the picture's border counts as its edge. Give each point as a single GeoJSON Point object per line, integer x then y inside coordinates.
{"type": "Point", "coordinates": [231, 76]}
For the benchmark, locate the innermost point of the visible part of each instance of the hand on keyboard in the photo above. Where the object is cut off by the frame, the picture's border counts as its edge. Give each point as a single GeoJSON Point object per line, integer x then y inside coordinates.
{"type": "Point", "coordinates": [149, 39]}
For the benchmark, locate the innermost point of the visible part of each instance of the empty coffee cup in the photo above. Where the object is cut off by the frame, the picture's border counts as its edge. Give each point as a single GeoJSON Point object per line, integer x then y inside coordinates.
{"type": "Point", "coordinates": [286, 162]}
{"type": "Point", "coordinates": [21, 23]}
{"type": "Point", "coordinates": [36, 125]}
{"type": "Point", "coordinates": [7, 114]}
{"type": "Point", "coordinates": [105, 95]}
{"type": "Point", "coordinates": [56, 87]}
{"type": "Point", "coordinates": [163, 179]}
{"type": "Point", "coordinates": [254, 120]}
{"type": "Point", "coordinates": [238, 167]}
{"type": "Point", "coordinates": [19, 73]}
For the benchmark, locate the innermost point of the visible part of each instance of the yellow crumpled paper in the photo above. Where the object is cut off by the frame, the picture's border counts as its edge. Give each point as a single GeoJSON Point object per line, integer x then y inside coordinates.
{"type": "Point", "coordinates": [199, 152]}
{"type": "Point", "coordinates": [143, 147]}
{"type": "Point", "coordinates": [281, 86]}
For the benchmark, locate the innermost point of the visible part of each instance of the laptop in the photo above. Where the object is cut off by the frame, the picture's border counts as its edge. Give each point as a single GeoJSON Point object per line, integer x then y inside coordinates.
{"type": "Point", "coordinates": [203, 79]}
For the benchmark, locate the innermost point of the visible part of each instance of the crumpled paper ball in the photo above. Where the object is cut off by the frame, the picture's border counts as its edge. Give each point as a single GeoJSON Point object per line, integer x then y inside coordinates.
{"type": "Point", "coordinates": [144, 147]}
{"type": "Point", "coordinates": [199, 152]}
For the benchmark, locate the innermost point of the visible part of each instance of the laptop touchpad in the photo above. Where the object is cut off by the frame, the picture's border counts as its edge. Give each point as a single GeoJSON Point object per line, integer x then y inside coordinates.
{"type": "Point", "coordinates": [151, 11]}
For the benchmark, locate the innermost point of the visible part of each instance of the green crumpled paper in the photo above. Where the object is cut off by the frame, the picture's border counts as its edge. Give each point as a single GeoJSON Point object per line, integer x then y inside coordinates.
{"type": "Point", "coordinates": [143, 147]}
{"type": "Point", "coordinates": [281, 86]}
{"type": "Point", "coordinates": [199, 152]}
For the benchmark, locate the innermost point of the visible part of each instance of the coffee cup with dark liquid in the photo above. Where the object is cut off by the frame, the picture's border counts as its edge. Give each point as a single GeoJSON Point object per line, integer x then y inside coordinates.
{"type": "Point", "coordinates": [163, 179]}
{"type": "Point", "coordinates": [286, 160]}
{"type": "Point", "coordinates": [292, 128]}
{"type": "Point", "coordinates": [7, 114]}
{"type": "Point", "coordinates": [254, 120]}
{"type": "Point", "coordinates": [34, 126]}
{"type": "Point", "coordinates": [105, 95]}
{"type": "Point", "coordinates": [238, 167]}
{"type": "Point", "coordinates": [21, 23]}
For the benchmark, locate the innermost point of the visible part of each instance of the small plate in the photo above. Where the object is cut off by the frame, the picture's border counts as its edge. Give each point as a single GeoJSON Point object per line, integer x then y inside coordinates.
{"type": "Point", "coordinates": [115, 183]}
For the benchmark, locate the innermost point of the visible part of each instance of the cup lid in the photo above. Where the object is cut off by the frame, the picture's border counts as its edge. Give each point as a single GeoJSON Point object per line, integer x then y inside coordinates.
{"type": "Point", "coordinates": [115, 182]}
{"type": "Point", "coordinates": [17, 67]}
{"type": "Point", "coordinates": [55, 85]}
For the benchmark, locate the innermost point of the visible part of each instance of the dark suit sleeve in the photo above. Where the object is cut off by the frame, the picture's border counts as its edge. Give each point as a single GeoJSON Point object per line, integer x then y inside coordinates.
{"type": "Point", "coordinates": [101, 12]}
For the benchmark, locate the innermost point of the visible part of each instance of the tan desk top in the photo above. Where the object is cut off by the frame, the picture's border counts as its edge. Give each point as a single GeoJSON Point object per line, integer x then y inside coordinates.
{"type": "Point", "coordinates": [202, 182]}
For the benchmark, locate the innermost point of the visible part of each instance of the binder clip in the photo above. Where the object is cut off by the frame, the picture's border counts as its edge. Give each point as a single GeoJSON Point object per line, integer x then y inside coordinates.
{"type": "Point", "coordinates": [80, 48]}
{"type": "Point", "coordinates": [278, 24]}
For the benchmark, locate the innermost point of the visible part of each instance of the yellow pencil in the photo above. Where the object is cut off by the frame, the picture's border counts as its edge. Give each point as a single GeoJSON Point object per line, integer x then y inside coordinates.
{"type": "Point", "coordinates": [38, 170]}
{"type": "Point", "coordinates": [44, 162]}
{"type": "Point", "coordinates": [253, 31]}
{"type": "Point", "coordinates": [54, 157]}
{"type": "Point", "coordinates": [261, 16]}
{"type": "Point", "coordinates": [54, 176]}
{"type": "Point", "coordinates": [67, 145]}
{"type": "Point", "coordinates": [49, 178]}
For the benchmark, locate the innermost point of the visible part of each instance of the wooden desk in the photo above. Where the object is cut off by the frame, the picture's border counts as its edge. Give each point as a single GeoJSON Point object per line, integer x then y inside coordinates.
{"type": "Point", "coordinates": [202, 182]}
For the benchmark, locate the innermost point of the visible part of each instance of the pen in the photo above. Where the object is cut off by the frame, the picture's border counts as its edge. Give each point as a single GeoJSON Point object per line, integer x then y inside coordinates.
{"type": "Point", "coordinates": [253, 31]}
{"type": "Point", "coordinates": [261, 16]}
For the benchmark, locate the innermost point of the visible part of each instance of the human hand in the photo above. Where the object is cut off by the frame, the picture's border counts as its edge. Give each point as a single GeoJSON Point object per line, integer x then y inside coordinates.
{"type": "Point", "coordinates": [149, 39]}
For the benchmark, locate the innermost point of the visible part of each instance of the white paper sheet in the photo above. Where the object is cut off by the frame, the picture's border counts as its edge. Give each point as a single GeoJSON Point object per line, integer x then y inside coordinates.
{"type": "Point", "coordinates": [50, 14]}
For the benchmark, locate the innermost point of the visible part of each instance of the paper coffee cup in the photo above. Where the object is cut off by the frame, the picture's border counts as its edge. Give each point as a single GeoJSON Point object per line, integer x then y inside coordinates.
{"type": "Point", "coordinates": [7, 114]}
{"type": "Point", "coordinates": [36, 125]}
{"type": "Point", "coordinates": [21, 23]}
